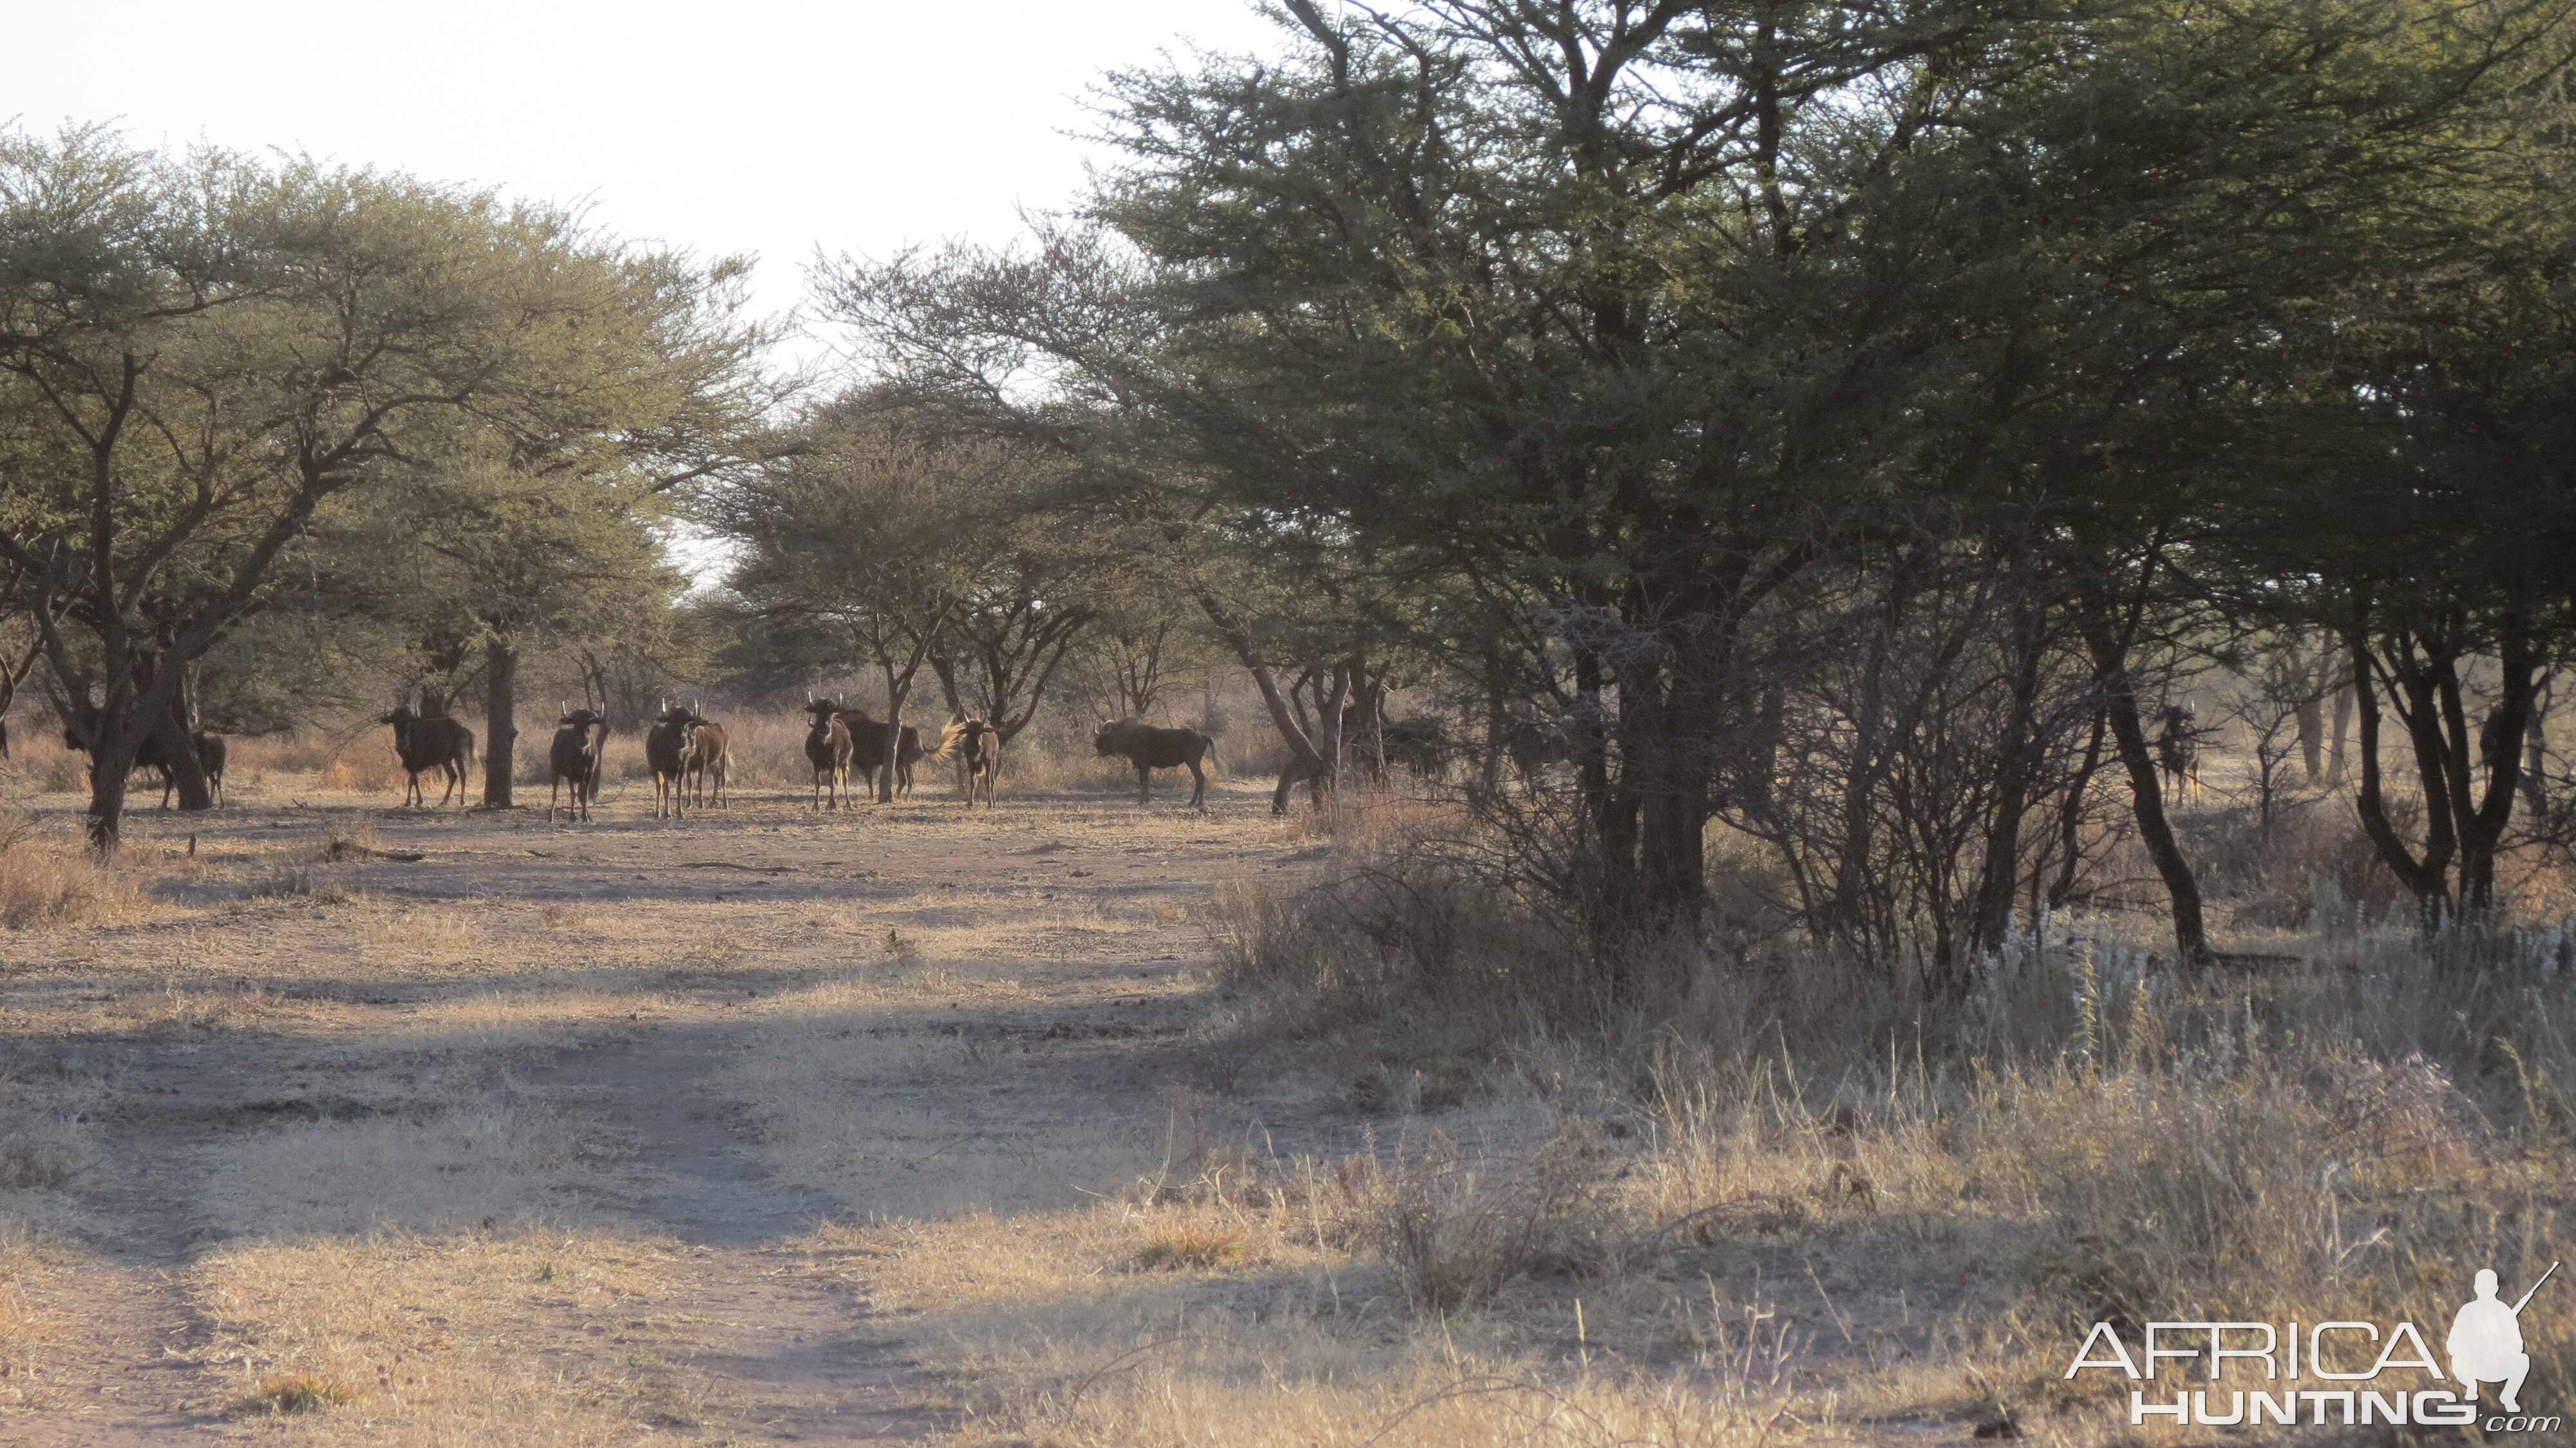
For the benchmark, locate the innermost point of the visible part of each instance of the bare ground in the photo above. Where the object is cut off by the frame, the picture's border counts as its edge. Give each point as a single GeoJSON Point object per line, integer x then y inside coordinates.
{"type": "Point", "coordinates": [240, 1043]}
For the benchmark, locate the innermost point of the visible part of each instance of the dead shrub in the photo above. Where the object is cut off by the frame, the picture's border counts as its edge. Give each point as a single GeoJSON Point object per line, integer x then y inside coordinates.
{"type": "Point", "coordinates": [1458, 1230]}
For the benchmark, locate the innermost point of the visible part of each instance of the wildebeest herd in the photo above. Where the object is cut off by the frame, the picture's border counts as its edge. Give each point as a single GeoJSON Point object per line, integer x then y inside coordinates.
{"type": "Point", "coordinates": [690, 755]}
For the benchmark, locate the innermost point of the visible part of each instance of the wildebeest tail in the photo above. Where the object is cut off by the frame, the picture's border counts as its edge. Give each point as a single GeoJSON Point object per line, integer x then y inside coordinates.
{"type": "Point", "coordinates": [948, 738]}
{"type": "Point", "coordinates": [1210, 756]}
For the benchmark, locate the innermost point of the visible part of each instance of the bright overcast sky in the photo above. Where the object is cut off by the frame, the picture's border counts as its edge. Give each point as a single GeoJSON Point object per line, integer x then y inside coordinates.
{"type": "Point", "coordinates": [766, 126]}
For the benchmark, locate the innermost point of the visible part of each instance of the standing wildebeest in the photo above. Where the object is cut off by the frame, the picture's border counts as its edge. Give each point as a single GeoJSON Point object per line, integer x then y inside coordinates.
{"type": "Point", "coordinates": [867, 744]}
{"type": "Point", "coordinates": [827, 748]}
{"type": "Point", "coordinates": [709, 759]}
{"type": "Point", "coordinates": [424, 743]}
{"type": "Point", "coordinates": [666, 749]}
{"type": "Point", "coordinates": [210, 758]}
{"type": "Point", "coordinates": [1149, 749]}
{"type": "Point", "coordinates": [977, 748]}
{"type": "Point", "coordinates": [575, 759]}
{"type": "Point", "coordinates": [2177, 747]}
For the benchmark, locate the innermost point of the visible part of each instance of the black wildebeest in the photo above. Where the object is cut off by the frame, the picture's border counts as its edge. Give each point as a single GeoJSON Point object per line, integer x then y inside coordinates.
{"type": "Point", "coordinates": [1149, 749]}
{"type": "Point", "coordinates": [827, 748]}
{"type": "Point", "coordinates": [2177, 746]}
{"type": "Point", "coordinates": [579, 738]}
{"type": "Point", "coordinates": [427, 742]}
{"type": "Point", "coordinates": [709, 759]}
{"type": "Point", "coordinates": [81, 725]}
{"type": "Point", "coordinates": [867, 745]}
{"type": "Point", "coordinates": [210, 758]}
{"type": "Point", "coordinates": [9, 679]}
{"type": "Point", "coordinates": [977, 748]}
{"type": "Point", "coordinates": [666, 749]}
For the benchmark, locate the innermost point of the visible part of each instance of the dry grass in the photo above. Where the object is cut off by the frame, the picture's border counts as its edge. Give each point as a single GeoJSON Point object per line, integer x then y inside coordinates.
{"type": "Point", "coordinates": [30, 1272]}
{"type": "Point", "coordinates": [482, 1161]}
{"type": "Point", "coordinates": [1946, 1200]}
{"type": "Point", "coordinates": [1437, 1189]}
{"type": "Point", "coordinates": [48, 878]}
{"type": "Point", "coordinates": [450, 1339]}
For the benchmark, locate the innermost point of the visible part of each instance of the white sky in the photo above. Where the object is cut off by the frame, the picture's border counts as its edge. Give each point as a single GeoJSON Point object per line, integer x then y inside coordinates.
{"type": "Point", "coordinates": [766, 126]}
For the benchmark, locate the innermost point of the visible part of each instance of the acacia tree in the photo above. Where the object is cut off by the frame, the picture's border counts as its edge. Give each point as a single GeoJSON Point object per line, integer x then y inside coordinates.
{"type": "Point", "coordinates": [1043, 563]}
{"type": "Point", "coordinates": [865, 529]}
{"type": "Point", "coordinates": [195, 356]}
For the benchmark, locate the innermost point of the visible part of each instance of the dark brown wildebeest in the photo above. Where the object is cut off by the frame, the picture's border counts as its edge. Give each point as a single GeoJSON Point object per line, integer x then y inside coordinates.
{"type": "Point", "coordinates": [427, 742]}
{"type": "Point", "coordinates": [977, 748]}
{"type": "Point", "coordinates": [666, 749]}
{"type": "Point", "coordinates": [2177, 746]}
{"type": "Point", "coordinates": [827, 748]}
{"type": "Point", "coordinates": [81, 724]}
{"type": "Point", "coordinates": [574, 757]}
{"type": "Point", "coordinates": [1149, 749]}
{"type": "Point", "coordinates": [867, 743]}
{"type": "Point", "coordinates": [709, 760]}
{"type": "Point", "coordinates": [211, 750]}
{"type": "Point", "coordinates": [9, 679]}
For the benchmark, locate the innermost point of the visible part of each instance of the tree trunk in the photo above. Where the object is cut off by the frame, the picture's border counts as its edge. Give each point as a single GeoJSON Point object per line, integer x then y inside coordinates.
{"type": "Point", "coordinates": [2427, 878]}
{"type": "Point", "coordinates": [500, 719]}
{"type": "Point", "coordinates": [897, 691]}
{"type": "Point", "coordinates": [2146, 791]}
{"type": "Point", "coordinates": [111, 762]}
{"type": "Point", "coordinates": [169, 732]}
{"type": "Point", "coordinates": [2535, 759]}
{"type": "Point", "coordinates": [2070, 816]}
{"type": "Point", "coordinates": [2335, 762]}
{"type": "Point", "coordinates": [1304, 763]}
{"type": "Point", "coordinates": [2001, 869]}
{"type": "Point", "coordinates": [187, 772]}
{"type": "Point", "coordinates": [2484, 813]}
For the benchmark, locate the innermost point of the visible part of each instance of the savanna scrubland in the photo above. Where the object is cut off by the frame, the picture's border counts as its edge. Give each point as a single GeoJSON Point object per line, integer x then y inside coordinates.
{"type": "Point", "coordinates": [1883, 680]}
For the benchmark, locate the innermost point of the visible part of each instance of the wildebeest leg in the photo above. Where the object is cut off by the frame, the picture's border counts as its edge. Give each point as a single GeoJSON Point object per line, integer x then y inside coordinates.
{"type": "Point", "coordinates": [1198, 782]}
{"type": "Point", "coordinates": [1144, 783]}
{"type": "Point", "coordinates": [551, 790]}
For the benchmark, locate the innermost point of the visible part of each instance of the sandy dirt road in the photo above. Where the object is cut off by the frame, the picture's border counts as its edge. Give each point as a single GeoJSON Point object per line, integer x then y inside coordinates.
{"type": "Point", "coordinates": [328, 1117]}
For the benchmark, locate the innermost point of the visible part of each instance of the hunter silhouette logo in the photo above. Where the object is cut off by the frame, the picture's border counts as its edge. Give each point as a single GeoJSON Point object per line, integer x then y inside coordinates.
{"type": "Point", "coordinates": [2359, 1372]}
{"type": "Point", "coordinates": [2486, 1341]}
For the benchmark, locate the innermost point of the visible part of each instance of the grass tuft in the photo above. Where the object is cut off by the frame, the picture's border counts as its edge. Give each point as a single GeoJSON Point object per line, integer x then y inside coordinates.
{"type": "Point", "coordinates": [1189, 1248]}
{"type": "Point", "coordinates": [291, 1393]}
